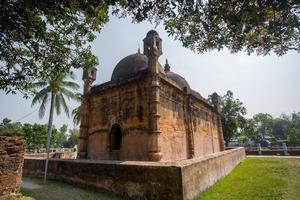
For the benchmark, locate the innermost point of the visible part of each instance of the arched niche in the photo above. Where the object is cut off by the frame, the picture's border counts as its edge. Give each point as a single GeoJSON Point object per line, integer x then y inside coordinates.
{"type": "Point", "coordinates": [115, 138]}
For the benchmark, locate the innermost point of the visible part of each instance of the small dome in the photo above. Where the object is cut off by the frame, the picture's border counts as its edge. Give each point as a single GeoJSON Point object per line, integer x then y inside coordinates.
{"type": "Point", "coordinates": [130, 65]}
{"type": "Point", "coordinates": [181, 82]}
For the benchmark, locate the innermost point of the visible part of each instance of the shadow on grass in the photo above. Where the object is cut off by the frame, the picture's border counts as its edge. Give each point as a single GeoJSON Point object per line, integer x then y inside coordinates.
{"type": "Point", "coordinates": [55, 190]}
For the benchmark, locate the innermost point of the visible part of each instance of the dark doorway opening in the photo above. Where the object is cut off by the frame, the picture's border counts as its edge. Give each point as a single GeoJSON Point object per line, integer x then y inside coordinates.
{"type": "Point", "coordinates": [115, 137]}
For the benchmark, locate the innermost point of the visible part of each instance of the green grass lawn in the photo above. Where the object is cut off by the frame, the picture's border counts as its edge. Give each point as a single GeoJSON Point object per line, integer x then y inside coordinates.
{"type": "Point", "coordinates": [259, 179]}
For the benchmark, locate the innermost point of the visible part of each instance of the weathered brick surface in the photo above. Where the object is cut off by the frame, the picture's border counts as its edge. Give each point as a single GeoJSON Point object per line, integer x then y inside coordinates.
{"type": "Point", "coordinates": [201, 173]}
{"type": "Point", "coordinates": [11, 164]}
{"type": "Point", "coordinates": [181, 180]}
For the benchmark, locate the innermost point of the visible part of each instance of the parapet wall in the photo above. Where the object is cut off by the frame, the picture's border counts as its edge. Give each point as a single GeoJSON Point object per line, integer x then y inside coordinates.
{"type": "Point", "coordinates": [143, 180]}
{"type": "Point", "coordinates": [11, 164]}
{"type": "Point", "coordinates": [201, 173]}
{"type": "Point", "coordinates": [136, 180]}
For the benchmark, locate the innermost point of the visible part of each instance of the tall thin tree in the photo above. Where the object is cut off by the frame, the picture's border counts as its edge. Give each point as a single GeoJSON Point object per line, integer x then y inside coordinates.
{"type": "Point", "coordinates": [55, 89]}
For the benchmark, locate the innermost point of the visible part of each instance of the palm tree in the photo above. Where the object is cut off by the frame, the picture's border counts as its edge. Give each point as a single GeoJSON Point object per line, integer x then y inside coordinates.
{"type": "Point", "coordinates": [55, 89]}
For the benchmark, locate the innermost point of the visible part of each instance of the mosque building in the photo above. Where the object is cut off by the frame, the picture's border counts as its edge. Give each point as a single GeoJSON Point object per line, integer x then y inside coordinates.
{"type": "Point", "coordinates": [147, 113]}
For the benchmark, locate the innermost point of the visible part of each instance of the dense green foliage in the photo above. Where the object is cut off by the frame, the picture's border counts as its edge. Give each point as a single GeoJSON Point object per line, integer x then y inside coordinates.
{"type": "Point", "coordinates": [252, 25]}
{"type": "Point", "coordinates": [232, 115]}
{"type": "Point", "coordinates": [40, 39]}
{"type": "Point", "coordinates": [259, 179]}
{"type": "Point", "coordinates": [44, 38]}
{"type": "Point", "coordinates": [9, 128]}
{"type": "Point", "coordinates": [72, 139]}
{"type": "Point", "coordinates": [263, 126]}
{"type": "Point", "coordinates": [35, 134]}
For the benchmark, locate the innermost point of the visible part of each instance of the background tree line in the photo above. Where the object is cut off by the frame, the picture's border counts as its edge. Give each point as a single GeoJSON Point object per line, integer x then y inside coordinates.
{"type": "Point", "coordinates": [261, 128]}
{"type": "Point", "coordinates": [35, 135]}
{"type": "Point", "coordinates": [264, 128]}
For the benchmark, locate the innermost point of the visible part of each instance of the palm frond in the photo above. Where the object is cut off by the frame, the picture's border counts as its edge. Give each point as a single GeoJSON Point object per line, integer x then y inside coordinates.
{"type": "Point", "coordinates": [71, 84]}
{"type": "Point", "coordinates": [76, 115]}
{"type": "Point", "coordinates": [42, 108]}
{"type": "Point", "coordinates": [40, 84]}
{"type": "Point", "coordinates": [79, 95]}
{"type": "Point", "coordinates": [39, 96]}
{"type": "Point", "coordinates": [61, 87]}
{"type": "Point", "coordinates": [64, 105]}
{"type": "Point", "coordinates": [70, 95]}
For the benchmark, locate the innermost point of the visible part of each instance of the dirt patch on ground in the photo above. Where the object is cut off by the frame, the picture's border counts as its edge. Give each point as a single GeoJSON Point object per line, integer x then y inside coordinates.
{"type": "Point", "coordinates": [28, 184]}
{"type": "Point", "coordinates": [34, 189]}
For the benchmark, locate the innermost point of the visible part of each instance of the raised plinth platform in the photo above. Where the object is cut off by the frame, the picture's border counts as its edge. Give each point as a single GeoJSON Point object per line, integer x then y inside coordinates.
{"type": "Point", "coordinates": [184, 179]}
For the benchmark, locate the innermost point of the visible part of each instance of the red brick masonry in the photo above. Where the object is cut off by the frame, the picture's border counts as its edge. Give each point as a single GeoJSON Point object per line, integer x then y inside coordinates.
{"type": "Point", "coordinates": [184, 179]}
{"type": "Point", "coordinates": [11, 164]}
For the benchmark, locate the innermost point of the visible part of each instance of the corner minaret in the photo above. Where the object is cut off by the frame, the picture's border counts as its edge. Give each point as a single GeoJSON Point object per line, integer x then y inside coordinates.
{"type": "Point", "coordinates": [152, 44]}
{"type": "Point", "coordinates": [216, 102]}
{"type": "Point", "coordinates": [89, 76]}
{"type": "Point", "coordinates": [153, 49]}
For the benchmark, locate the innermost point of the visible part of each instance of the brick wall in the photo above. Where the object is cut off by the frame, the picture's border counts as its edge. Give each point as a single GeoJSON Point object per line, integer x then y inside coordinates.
{"type": "Point", "coordinates": [181, 180]}
{"type": "Point", "coordinates": [200, 173]}
{"type": "Point", "coordinates": [11, 164]}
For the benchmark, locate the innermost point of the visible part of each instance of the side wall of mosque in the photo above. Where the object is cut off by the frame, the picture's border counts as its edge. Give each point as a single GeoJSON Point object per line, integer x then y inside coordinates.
{"type": "Point", "coordinates": [173, 139]}
{"type": "Point", "coordinates": [180, 115]}
{"type": "Point", "coordinates": [205, 129]}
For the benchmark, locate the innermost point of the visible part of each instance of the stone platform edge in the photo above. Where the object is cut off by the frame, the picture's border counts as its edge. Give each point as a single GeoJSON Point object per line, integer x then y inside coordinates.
{"type": "Point", "coordinates": [184, 179]}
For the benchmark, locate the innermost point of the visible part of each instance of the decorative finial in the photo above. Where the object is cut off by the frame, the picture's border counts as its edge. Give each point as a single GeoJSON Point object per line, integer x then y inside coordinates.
{"type": "Point", "coordinates": [167, 66]}
{"type": "Point", "coordinates": [139, 51]}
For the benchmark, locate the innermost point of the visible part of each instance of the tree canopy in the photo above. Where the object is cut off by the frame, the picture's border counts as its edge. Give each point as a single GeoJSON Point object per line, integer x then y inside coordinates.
{"type": "Point", "coordinates": [262, 128]}
{"type": "Point", "coordinates": [232, 116]}
{"type": "Point", "coordinates": [42, 38]}
{"type": "Point", "coordinates": [252, 25]}
{"type": "Point", "coordinates": [35, 134]}
{"type": "Point", "coordinates": [39, 39]}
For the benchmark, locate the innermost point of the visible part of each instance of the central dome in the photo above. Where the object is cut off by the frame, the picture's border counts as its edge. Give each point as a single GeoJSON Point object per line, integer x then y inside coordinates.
{"type": "Point", "coordinates": [129, 66]}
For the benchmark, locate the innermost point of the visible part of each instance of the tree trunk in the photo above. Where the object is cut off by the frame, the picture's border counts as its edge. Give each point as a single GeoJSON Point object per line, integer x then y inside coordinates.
{"type": "Point", "coordinates": [49, 134]}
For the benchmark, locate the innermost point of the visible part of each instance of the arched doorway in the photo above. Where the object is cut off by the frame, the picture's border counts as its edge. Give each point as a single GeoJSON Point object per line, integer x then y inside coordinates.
{"type": "Point", "coordinates": [115, 138]}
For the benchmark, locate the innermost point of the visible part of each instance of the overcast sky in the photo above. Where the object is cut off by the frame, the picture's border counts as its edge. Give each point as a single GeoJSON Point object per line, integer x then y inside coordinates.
{"type": "Point", "coordinates": [267, 84]}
